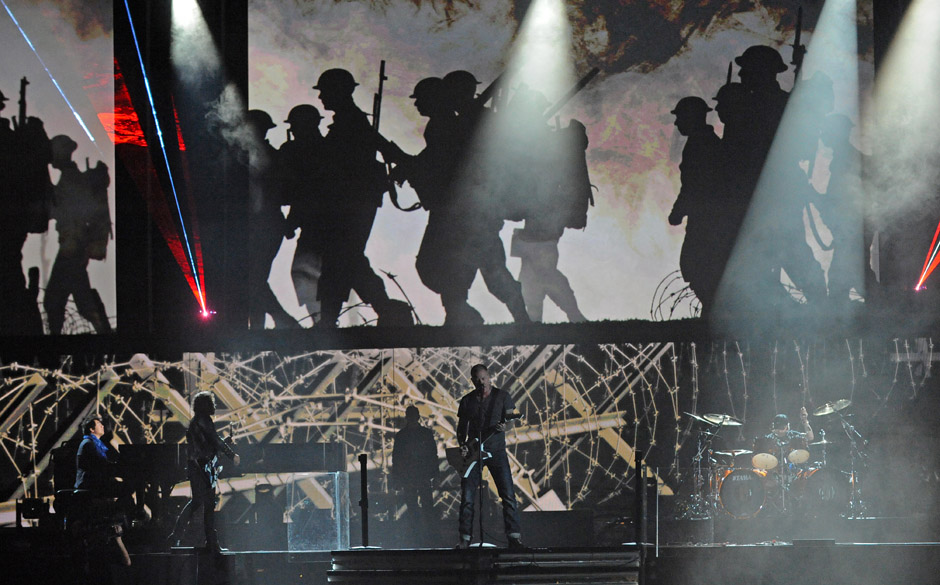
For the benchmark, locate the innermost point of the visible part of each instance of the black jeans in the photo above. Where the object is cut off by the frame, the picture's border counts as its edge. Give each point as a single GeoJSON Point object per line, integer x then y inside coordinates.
{"type": "Point", "coordinates": [498, 465]}
{"type": "Point", "coordinates": [203, 494]}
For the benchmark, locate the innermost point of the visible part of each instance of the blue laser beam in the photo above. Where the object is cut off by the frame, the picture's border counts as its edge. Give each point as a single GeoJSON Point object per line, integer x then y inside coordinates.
{"type": "Point", "coordinates": [166, 160]}
{"type": "Point", "coordinates": [49, 73]}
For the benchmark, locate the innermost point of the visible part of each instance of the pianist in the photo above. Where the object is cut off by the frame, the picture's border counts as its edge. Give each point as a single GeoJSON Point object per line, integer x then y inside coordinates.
{"type": "Point", "coordinates": [95, 460]}
{"type": "Point", "coordinates": [95, 485]}
{"type": "Point", "coordinates": [202, 469]}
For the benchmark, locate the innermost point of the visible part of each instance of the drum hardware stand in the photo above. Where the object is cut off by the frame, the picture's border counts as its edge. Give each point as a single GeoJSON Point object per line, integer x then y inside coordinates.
{"type": "Point", "coordinates": [857, 506]}
{"type": "Point", "coordinates": [701, 507]}
{"type": "Point", "coordinates": [822, 439]}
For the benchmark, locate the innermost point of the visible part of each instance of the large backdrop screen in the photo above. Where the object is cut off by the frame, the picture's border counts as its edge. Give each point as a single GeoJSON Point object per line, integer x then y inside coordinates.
{"type": "Point", "coordinates": [551, 195]}
{"type": "Point", "coordinates": [56, 168]}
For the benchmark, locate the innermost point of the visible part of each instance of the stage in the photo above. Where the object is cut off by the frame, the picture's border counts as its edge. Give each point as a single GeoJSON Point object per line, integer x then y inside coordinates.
{"type": "Point", "coordinates": [30, 558]}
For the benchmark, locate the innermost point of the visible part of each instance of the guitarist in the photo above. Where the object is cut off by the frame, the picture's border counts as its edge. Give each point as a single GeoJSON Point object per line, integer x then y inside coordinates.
{"type": "Point", "coordinates": [203, 468]}
{"type": "Point", "coordinates": [482, 415]}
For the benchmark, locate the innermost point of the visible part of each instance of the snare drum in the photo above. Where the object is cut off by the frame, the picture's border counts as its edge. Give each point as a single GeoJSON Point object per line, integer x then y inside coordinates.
{"type": "Point", "coordinates": [742, 492]}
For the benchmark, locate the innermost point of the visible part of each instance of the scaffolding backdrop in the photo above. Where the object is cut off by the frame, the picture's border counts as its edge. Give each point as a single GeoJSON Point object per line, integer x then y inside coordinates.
{"type": "Point", "coordinates": [586, 409]}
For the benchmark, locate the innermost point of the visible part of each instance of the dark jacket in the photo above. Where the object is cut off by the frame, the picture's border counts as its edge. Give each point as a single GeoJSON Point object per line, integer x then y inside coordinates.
{"type": "Point", "coordinates": [93, 464]}
{"type": "Point", "coordinates": [472, 417]}
{"type": "Point", "coordinates": [204, 442]}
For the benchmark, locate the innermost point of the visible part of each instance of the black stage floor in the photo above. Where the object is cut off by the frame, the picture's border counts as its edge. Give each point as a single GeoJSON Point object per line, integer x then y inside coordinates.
{"type": "Point", "coordinates": [798, 562]}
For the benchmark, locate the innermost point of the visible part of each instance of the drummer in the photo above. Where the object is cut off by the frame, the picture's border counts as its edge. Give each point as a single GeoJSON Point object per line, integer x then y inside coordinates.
{"type": "Point", "coordinates": [781, 432]}
{"type": "Point", "coordinates": [781, 442]}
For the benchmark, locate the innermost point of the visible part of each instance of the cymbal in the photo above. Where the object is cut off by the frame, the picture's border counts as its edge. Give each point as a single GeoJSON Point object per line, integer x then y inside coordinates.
{"type": "Point", "coordinates": [699, 418]}
{"type": "Point", "coordinates": [734, 452]}
{"type": "Point", "coordinates": [722, 419]}
{"type": "Point", "coordinates": [830, 407]}
{"type": "Point", "coordinates": [823, 442]}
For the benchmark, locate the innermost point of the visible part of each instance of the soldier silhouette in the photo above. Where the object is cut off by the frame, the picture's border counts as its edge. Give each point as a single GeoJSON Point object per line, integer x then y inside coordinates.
{"type": "Point", "coordinates": [83, 221]}
{"type": "Point", "coordinates": [478, 203]}
{"type": "Point", "coordinates": [25, 193]}
{"type": "Point", "coordinates": [758, 107]}
{"type": "Point", "coordinates": [302, 158]}
{"type": "Point", "coordinates": [440, 263]}
{"type": "Point", "coordinates": [701, 260]}
{"type": "Point", "coordinates": [353, 186]}
{"type": "Point", "coordinates": [841, 209]}
{"type": "Point", "coordinates": [737, 187]}
{"type": "Point", "coordinates": [545, 171]}
{"type": "Point", "coordinates": [266, 224]}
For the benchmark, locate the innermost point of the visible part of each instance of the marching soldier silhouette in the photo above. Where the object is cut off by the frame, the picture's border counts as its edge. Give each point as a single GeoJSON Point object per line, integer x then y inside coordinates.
{"type": "Point", "coordinates": [25, 196]}
{"type": "Point", "coordinates": [301, 159]}
{"type": "Point", "coordinates": [83, 221]}
{"type": "Point", "coordinates": [545, 173]}
{"type": "Point", "coordinates": [353, 187]}
{"type": "Point", "coordinates": [441, 263]}
{"type": "Point", "coordinates": [700, 260]}
{"type": "Point", "coordinates": [478, 202]}
{"type": "Point", "coordinates": [756, 109]}
{"type": "Point", "coordinates": [266, 224]}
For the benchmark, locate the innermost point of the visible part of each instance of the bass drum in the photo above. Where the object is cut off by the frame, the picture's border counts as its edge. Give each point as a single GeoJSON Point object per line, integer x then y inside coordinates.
{"type": "Point", "coordinates": [742, 492]}
{"type": "Point", "coordinates": [822, 491]}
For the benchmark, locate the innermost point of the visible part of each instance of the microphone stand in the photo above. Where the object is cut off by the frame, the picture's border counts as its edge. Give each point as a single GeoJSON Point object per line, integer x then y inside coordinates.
{"type": "Point", "coordinates": [480, 466]}
{"type": "Point", "coordinates": [857, 506]}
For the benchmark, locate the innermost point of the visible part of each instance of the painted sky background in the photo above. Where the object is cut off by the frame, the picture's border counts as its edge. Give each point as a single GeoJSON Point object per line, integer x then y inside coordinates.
{"type": "Point", "coordinates": [74, 40]}
{"type": "Point", "coordinates": [651, 54]}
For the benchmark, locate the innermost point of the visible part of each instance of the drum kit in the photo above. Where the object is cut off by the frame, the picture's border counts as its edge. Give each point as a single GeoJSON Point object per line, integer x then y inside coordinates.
{"type": "Point", "coordinates": [781, 474]}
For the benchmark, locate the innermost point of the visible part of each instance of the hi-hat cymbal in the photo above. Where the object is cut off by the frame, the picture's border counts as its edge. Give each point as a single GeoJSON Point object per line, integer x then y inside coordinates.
{"type": "Point", "coordinates": [830, 407]}
{"type": "Point", "coordinates": [734, 452]}
{"type": "Point", "coordinates": [722, 419]}
{"type": "Point", "coordinates": [823, 442]}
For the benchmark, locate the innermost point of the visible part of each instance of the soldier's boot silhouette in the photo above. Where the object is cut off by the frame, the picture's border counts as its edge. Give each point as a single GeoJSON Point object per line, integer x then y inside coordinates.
{"type": "Point", "coordinates": [329, 313]}
{"type": "Point", "coordinates": [91, 308]}
{"type": "Point", "coordinates": [566, 301]}
{"type": "Point", "coordinates": [393, 313]}
{"type": "Point", "coordinates": [459, 312]}
{"type": "Point", "coordinates": [508, 290]}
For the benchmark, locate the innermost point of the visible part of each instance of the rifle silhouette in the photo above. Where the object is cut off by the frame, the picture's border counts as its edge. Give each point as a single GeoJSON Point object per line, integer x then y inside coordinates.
{"type": "Point", "coordinates": [20, 120]}
{"type": "Point", "coordinates": [799, 50]}
{"type": "Point", "coordinates": [376, 118]}
{"type": "Point", "coordinates": [563, 100]}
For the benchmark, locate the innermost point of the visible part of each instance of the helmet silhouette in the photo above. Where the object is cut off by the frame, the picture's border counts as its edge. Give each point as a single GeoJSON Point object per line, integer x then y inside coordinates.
{"type": "Point", "coordinates": [691, 106]}
{"type": "Point", "coordinates": [337, 80]}
{"type": "Point", "coordinates": [461, 83]}
{"type": "Point", "coordinates": [429, 87]}
{"type": "Point", "coordinates": [260, 120]}
{"type": "Point", "coordinates": [62, 146]}
{"type": "Point", "coordinates": [761, 58]}
{"type": "Point", "coordinates": [303, 115]}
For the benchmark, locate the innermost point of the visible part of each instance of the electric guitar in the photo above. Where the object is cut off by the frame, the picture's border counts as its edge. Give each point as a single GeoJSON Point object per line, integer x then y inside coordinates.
{"type": "Point", "coordinates": [461, 463]}
{"type": "Point", "coordinates": [214, 465]}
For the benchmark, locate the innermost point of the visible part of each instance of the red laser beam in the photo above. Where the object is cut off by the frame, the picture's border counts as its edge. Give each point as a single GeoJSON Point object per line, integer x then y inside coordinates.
{"type": "Point", "coordinates": [931, 261]}
{"type": "Point", "coordinates": [132, 148]}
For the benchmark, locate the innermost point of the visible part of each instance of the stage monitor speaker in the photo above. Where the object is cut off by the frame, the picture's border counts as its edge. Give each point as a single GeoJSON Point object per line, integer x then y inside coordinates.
{"type": "Point", "coordinates": [567, 528]}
